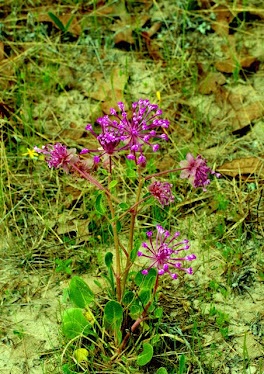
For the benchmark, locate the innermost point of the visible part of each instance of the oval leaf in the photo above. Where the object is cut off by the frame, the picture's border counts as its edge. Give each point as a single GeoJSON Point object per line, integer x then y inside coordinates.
{"type": "Point", "coordinates": [99, 206]}
{"type": "Point", "coordinates": [109, 259]}
{"type": "Point", "coordinates": [112, 184]}
{"type": "Point", "coordinates": [146, 355]}
{"type": "Point", "coordinates": [161, 370]}
{"type": "Point", "coordinates": [113, 312]}
{"type": "Point", "coordinates": [74, 323]}
{"type": "Point", "coordinates": [80, 293]}
{"type": "Point", "coordinates": [80, 354]}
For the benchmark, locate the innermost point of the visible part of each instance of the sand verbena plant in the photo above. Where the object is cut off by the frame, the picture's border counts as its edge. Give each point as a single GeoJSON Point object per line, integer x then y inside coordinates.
{"type": "Point", "coordinates": [102, 331]}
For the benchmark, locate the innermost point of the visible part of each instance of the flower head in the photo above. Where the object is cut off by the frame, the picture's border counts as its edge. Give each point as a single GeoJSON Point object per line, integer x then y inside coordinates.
{"type": "Point", "coordinates": [135, 132]}
{"type": "Point", "coordinates": [162, 192]}
{"type": "Point", "coordinates": [197, 171]}
{"type": "Point", "coordinates": [162, 254]}
{"type": "Point", "coordinates": [109, 139]}
{"type": "Point", "coordinates": [58, 155]}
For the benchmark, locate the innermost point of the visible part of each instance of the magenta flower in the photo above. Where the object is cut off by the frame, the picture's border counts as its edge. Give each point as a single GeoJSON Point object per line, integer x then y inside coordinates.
{"type": "Point", "coordinates": [162, 192]}
{"type": "Point", "coordinates": [197, 171]}
{"type": "Point", "coordinates": [109, 140]}
{"type": "Point", "coordinates": [58, 156]}
{"type": "Point", "coordinates": [135, 132]}
{"type": "Point", "coordinates": [161, 252]}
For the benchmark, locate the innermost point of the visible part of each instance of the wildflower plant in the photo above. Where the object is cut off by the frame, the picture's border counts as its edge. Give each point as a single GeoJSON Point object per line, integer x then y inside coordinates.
{"type": "Point", "coordinates": [133, 288]}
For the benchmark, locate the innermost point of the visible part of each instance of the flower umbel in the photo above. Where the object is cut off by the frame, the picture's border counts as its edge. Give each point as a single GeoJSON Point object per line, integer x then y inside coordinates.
{"type": "Point", "coordinates": [161, 252]}
{"type": "Point", "coordinates": [135, 132]}
{"type": "Point", "coordinates": [109, 139]}
{"type": "Point", "coordinates": [162, 192]}
{"type": "Point", "coordinates": [197, 171]}
{"type": "Point", "coordinates": [58, 156]}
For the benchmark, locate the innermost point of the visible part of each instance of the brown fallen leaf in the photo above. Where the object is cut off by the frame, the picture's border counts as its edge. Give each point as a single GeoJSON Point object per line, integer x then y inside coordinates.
{"type": "Point", "coordinates": [74, 27]}
{"type": "Point", "coordinates": [229, 65]}
{"type": "Point", "coordinates": [246, 114]}
{"type": "Point", "coordinates": [153, 50]}
{"type": "Point", "coordinates": [127, 23]}
{"type": "Point", "coordinates": [110, 92]}
{"type": "Point", "coordinates": [74, 132]}
{"type": "Point", "coordinates": [210, 83]}
{"type": "Point", "coordinates": [223, 17]}
{"type": "Point", "coordinates": [126, 26]}
{"type": "Point", "coordinates": [243, 166]}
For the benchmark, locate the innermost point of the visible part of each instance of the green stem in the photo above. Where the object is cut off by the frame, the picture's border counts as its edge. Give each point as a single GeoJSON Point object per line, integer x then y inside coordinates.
{"type": "Point", "coordinates": [131, 232]}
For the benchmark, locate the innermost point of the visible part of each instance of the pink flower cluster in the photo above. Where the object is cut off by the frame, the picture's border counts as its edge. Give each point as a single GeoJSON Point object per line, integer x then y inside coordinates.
{"type": "Point", "coordinates": [197, 171]}
{"type": "Point", "coordinates": [135, 133]}
{"type": "Point", "coordinates": [58, 156]}
{"type": "Point", "coordinates": [160, 253]}
{"type": "Point", "coordinates": [162, 192]}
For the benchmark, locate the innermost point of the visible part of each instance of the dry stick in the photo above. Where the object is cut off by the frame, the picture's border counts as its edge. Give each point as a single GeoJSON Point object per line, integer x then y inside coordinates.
{"type": "Point", "coordinates": [140, 319]}
{"type": "Point", "coordinates": [131, 232]}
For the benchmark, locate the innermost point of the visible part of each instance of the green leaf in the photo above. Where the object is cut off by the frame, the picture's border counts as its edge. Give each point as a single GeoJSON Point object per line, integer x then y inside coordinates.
{"type": "Point", "coordinates": [124, 206]}
{"type": "Point", "coordinates": [57, 21]}
{"type": "Point", "coordinates": [144, 297]}
{"type": "Point", "coordinates": [155, 339]}
{"type": "Point", "coordinates": [69, 23]}
{"type": "Point", "coordinates": [135, 249]}
{"type": "Point", "coordinates": [182, 366]}
{"type": "Point", "coordinates": [112, 184]}
{"type": "Point", "coordinates": [161, 370]}
{"type": "Point", "coordinates": [135, 310]}
{"type": "Point", "coordinates": [109, 259]}
{"type": "Point", "coordinates": [74, 323]}
{"type": "Point", "coordinates": [66, 370]}
{"type": "Point", "coordinates": [80, 293]}
{"type": "Point", "coordinates": [146, 355]}
{"type": "Point", "coordinates": [113, 314]}
{"type": "Point", "coordinates": [158, 312]}
{"type": "Point", "coordinates": [146, 281]}
{"type": "Point", "coordinates": [99, 206]}
{"type": "Point", "coordinates": [128, 297]}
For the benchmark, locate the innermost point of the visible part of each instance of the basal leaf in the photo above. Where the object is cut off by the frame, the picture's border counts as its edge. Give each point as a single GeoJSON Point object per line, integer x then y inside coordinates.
{"type": "Point", "coordinates": [74, 323]}
{"type": "Point", "coordinates": [146, 355]}
{"type": "Point", "coordinates": [80, 293]}
{"type": "Point", "coordinates": [161, 370]}
{"type": "Point", "coordinates": [113, 314]}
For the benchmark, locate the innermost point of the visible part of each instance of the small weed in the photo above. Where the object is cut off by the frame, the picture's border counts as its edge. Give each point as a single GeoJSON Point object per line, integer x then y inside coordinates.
{"type": "Point", "coordinates": [63, 266]}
